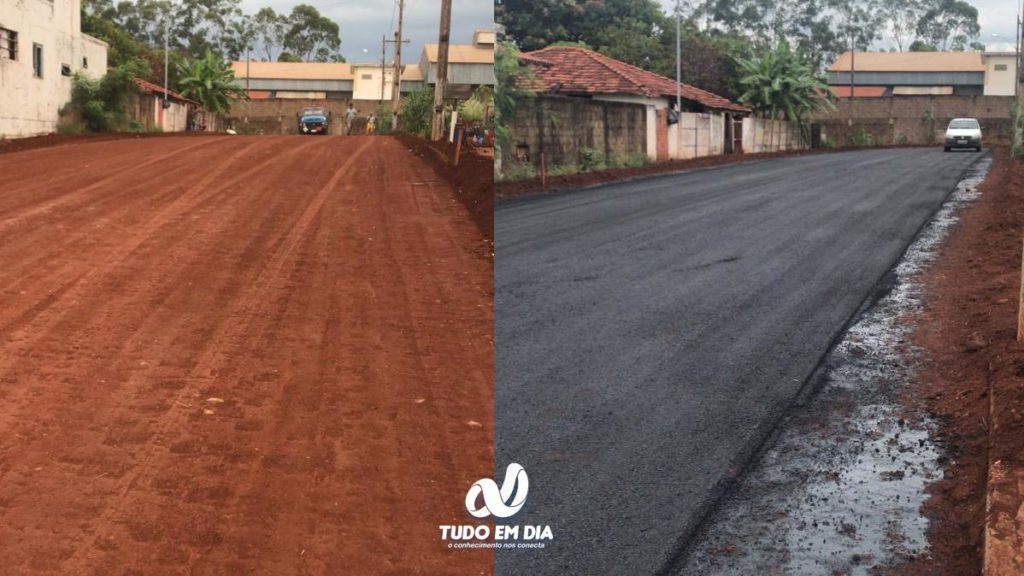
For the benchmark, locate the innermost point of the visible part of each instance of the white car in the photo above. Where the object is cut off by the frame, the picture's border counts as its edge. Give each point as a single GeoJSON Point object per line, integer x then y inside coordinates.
{"type": "Point", "coordinates": [963, 133]}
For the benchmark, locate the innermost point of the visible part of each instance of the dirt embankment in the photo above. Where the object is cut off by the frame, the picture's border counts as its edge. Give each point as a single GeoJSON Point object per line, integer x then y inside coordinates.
{"type": "Point", "coordinates": [534, 186]}
{"type": "Point", "coordinates": [51, 140]}
{"type": "Point", "coordinates": [968, 333]}
{"type": "Point", "coordinates": [472, 181]}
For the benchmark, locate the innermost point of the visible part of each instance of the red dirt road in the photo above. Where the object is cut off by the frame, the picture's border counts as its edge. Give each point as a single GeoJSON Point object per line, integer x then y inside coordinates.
{"type": "Point", "coordinates": [239, 355]}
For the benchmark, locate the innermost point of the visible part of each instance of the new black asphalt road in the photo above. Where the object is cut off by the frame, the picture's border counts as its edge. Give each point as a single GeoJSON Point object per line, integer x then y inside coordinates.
{"type": "Point", "coordinates": [651, 333]}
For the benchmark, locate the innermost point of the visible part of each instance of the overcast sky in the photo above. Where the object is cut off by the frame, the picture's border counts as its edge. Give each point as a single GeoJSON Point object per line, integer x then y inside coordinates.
{"type": "Point", "coordinates": [995, 17]}
{"type": "Point", "coordinates": [363, 22]}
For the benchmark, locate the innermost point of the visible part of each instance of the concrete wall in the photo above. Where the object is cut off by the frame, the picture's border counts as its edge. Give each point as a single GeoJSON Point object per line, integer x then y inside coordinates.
{"type": "Point", "coordinates": [696, 135]}
{"type": "Point", "coordinates": [367, 83]}
{"type": "Point", "coordinates": [1000, 82]}
{"type": "Point", "coordinates": [562, 127]}
{"type": "Point", "coordinates": [764, 135]}
{"type": "Point", "coordinates": [280, 116]}
{"type": "Point", "coordinates": [30, 105]}
{"type": "Point", "coordinates": [910, 119]}
{"type": "Point", "coordinates": [148, 110]}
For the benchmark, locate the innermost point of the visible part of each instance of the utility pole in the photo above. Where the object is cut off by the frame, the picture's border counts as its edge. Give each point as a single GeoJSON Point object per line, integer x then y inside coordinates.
{"type": "Point", "coordinates": [679, 78]}
{"type": "Point", "coordinates": [437, 131]}
{"type": "Point", "coordinates": [167, 43]}
{"type": "Point", "coordinates": [383, 66]}
{"type": "Point", "coordinates": [396, 91]}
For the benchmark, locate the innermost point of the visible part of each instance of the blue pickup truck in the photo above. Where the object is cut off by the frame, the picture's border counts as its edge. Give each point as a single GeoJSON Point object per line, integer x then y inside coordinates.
{"type": "Point", "coordinates": [314, 121]}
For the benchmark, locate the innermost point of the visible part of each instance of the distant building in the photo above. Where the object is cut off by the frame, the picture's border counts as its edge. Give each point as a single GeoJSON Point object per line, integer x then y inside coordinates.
{"type": "Point", "coordinates": [470, 65]}
{"type": "Point", "coordinates": [879, 74]}
{"type": "Point", "coordinates": [623, 109]}
{"type": "Point", "coordinates": [41, 49]}
{"type": "Point", "coordinates": [1000, 73]}
{"type": "Point", "coordinates": [147, 107]}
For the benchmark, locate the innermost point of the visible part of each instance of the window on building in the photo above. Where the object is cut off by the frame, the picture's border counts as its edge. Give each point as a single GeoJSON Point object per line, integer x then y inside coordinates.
{"type": "Point", "coordinates": [367, 76]}
{"type": "Point", "coordinates": [1000, 67]}
{"type": "Point", "coordinates": [8, 44]}
{"type": "Point", "coordinates": [37, 60]}
{"type": "Point", "coordinates": [85, 62]}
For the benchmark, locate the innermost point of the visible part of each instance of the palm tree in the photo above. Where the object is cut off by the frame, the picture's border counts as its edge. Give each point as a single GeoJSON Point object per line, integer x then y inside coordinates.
{"type": "Point", "coordinates": [211, 82]}
{"type": "Point", "coordinates": [780, 84]}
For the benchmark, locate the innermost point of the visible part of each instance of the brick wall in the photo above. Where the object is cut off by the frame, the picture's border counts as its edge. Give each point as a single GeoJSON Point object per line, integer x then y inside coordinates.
{"type": "Point", "coordinates": [561, 127]}
{"type": "Point", "coordinates": [911, 119]}
{"type": "Point", "coordinates": [278, 116]}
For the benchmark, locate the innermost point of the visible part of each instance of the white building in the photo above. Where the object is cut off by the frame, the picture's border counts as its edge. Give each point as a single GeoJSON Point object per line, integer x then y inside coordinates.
{"type": "Point", "coordinates": [1000, 73]}
{"type": "Point", "coordinates": [41, 49]}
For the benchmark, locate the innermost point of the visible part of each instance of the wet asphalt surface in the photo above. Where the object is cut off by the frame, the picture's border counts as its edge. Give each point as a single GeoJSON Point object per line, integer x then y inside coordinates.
{"type": "Point", "coordinates": [651, 334]}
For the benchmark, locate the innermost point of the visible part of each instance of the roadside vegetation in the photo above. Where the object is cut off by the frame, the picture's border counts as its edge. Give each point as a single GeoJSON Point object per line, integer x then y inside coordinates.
{"type": "Point", "coordinates": [203, 36]}
{"type": "Point", "coordinates": [640, 32]}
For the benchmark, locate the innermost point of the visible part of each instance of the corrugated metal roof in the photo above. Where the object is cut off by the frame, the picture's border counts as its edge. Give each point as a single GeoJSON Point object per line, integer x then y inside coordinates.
{"type": "Point", "coordinates": [859, 91]}
{"type": "Point", "coordinates": [312, 71]}
{"type": "Point", "coordinates": [293, 70]}
{"type": "Point", "coordinates": [463, 54]}
{"type": "Point", "coordinates": [910, 62]}
{"type": "Point", "coordinates": [570, 69]}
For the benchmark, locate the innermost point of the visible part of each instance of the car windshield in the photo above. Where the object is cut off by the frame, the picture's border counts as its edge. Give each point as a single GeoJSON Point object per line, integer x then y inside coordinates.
{"type": "Point", "coordinates": [964, 125]}
{"type": "Point", "coordinates": [313, 112]}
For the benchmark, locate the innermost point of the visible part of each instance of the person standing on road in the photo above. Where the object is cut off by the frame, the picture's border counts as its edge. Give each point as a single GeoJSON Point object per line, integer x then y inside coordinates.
{"type": "Point", "coordinates": [350, 117]}
{"type": "Point", "coordinates": [371, 124]}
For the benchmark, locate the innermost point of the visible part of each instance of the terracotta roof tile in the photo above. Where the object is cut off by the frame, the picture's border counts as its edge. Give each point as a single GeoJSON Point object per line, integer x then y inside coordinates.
{"type": "Point", "coordinates": [154, 89]}
{"type": "Point", "coordinates": [571, 69]}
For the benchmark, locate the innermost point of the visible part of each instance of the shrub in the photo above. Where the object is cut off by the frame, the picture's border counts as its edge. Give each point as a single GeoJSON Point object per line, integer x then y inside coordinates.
{"type": "Point", "coordinates": [416, 113]}
{"type": "Point", "coordinates": [385, 119]}
{"type": "Point", "coordinates": [518, 171]}
{"type": "Point", "coordinates": [591, 159]}
{"type": "Point", "coordinates": [630, 161]}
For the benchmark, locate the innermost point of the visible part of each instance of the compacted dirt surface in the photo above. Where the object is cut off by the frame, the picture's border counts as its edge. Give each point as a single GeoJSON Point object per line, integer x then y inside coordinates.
{"type": "Point", "coordinates": [972, 376]}
{"type": "Point", "coordinates": [235, 355]}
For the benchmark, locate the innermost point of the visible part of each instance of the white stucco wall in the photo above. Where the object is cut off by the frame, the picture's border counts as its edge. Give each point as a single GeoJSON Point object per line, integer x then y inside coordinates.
{"type": "Point", "coordinates": [370, 88]}
{"type": "Point", "coordinates": [1000, 82]}
{"type": "Point", "coordinates": [696, 135]}
{"type": "Point", "coordinates": [30, 105]}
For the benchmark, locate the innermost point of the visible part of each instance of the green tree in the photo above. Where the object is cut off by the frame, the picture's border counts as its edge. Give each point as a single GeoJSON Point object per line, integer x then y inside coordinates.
{"type": "Point", "coordinates": [311, 36]}
{"type": "Point", "coordinates": [271, 28]}
{"type": "Point", "coordinates": [239, 37]}
{"type": "Point", "coordinates": [902, 18]}
{"type": "Point", "coordinates": [513, 91]}
{"type": "Point", "coordinates": [949, 24]}
{"type": "Point", "coordinates": [211, 82]}
{"type": "Point", "coordinates": [922, 46]}
{"type": "Point", "coordinates": [417, 110]}
{"type": "Point", "coordinates": [780, 84]}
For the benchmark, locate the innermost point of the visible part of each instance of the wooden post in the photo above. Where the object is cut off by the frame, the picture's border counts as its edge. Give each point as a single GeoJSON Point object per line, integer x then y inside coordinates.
{"type": "Point", "coordinates": [543, 171]}
{"type": "Point", "coordinates": [459, 137]}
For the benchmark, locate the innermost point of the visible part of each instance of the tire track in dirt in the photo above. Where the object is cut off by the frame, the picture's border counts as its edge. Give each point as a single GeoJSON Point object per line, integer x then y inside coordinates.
{"type": "Point", "coordinates": [229, 337]}
{"type": "Point", "coordinates": [189, 200]}
{"type": "Point", "coordinates": [50, 204]}
{"type": "Point", "coordinates": [90, 513]}
{"type": "Point", "coordinates": [309, 464]}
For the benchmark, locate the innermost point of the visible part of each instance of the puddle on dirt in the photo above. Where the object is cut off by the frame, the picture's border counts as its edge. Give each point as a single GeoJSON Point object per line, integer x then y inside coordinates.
{"type": "Point", "coordinates": [839, 491]}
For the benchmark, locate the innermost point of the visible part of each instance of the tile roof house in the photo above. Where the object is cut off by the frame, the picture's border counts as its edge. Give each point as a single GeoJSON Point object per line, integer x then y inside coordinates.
{"type": "Point", "coordinates": [577, 71]}
{"type": "Point", "coordinates": [878, 74]}
{"type": "Point", "coordinates": [708, 124]}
